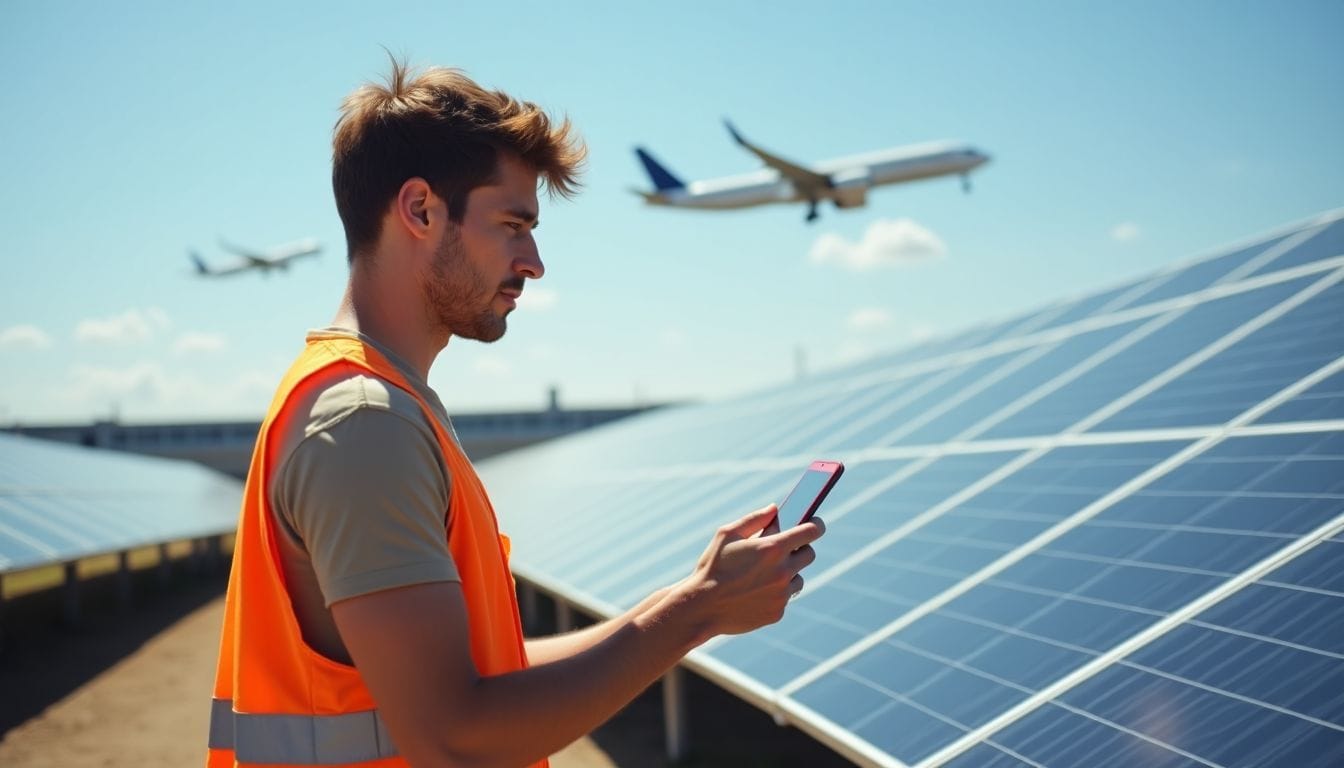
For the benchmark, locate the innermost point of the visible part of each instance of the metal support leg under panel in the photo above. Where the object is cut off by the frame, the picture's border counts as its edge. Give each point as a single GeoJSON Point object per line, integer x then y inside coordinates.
{"type": "Point", "coordinates": [564, 617]}
{"type": "Point", "coordinates": [674, 714]}
{"type": "Point", "coordinates": [165, 565]}
{"type": "Point", "coordinates": [527, 597]}
{"type": "Point", "coordinates": [124, 578]}
{"type": "Point", "coordinates": [71, 589]}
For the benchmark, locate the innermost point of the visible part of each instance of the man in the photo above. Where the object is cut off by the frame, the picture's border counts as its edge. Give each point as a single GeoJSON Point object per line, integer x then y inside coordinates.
{"type": "Point", "coordinates": [371, 617]}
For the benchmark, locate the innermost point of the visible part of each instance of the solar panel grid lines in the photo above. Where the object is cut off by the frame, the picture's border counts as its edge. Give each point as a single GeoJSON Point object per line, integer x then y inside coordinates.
{"type": "Point", "coordinates": [1291, 345]}
{"type": "Point", "coordinates": [1135, 293]}
{"type": "Point", "coordinates": [1142, 311]}
{"type": "Point", "coordinates": [648, 535]}
{"type": "Point", "coordinates": [12, 560]}
{"type": "Point", "coordinates": [867, 431]}
{"type": "Point", "coordinates": [1223, 692]}
{"type": "Point", "coordinates": [980, 384]}
{"type": "Point", "coordinates": [999, 565]}
{"type": "Point", "coordinates": [55, 531]}
{"type": "Point", "coordinates": [675, 553]}
{"type": "Point", "coordinates": [1062, 379]}
{"type": "Point", "coordinates": [914, 523]}
{"type": "Point", "coordinates": [1036, 321]}
{"type": "Point", "coordinates": [957, 665]}
{"type": "Point", "coordinates": [1268, 247]}
{"type": "Point", "coordinates": [1323, 401]}
{"type": "Point", "coordinates": [1221, 592]}
{"type": "Point", "coordinates": [1327, 243]}
{"type": "Point", "coordinates": [1278, 641]}
{"type": "Point", "coordinates": [1203, 354]}
{"type": "Point", "coordinates": [585, 543]}
{"type": "Point", "coordinates": [802, 426]}
{"type": "Point", "coordinates": [1016, 555]}
{"type": "Point", "coordinates": [1246, 261]}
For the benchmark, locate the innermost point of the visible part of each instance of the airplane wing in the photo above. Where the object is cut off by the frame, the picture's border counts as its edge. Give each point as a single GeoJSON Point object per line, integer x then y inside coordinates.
{"type": "Point", "coordinates": [205, 270]}
{"type": "Point", "coordinates": [274, 258]}
{"type": "Point", "coordinates": [803, 178]}
{"type": "Point", "coordinates": [257, 259]}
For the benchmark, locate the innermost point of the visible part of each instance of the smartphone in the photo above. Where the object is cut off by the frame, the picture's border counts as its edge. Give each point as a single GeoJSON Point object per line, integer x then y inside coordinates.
{"type": "Point", "coordinates": [807, 495]}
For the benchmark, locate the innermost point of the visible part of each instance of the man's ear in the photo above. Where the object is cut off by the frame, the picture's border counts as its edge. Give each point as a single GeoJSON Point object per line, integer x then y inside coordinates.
{"type": "Point", "coordinates": [414, 208]}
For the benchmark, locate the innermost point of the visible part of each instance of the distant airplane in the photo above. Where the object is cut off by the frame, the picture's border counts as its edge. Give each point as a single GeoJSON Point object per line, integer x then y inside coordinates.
{"type": "Point", "coordinates": [276, 258]}
{"type": "Point", "coordinates": [844, 181]}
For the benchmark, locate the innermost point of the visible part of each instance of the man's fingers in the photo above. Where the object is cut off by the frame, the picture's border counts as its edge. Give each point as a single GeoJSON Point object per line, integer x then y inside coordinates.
{"type": "Point", "coordinates": [802, 557]}
{"type": "Point", "coordinates": [802, 535]}
{"type": "Point", "coordinates": [754, 522]}
{"type": "Point", "coordinates": [772, 528]}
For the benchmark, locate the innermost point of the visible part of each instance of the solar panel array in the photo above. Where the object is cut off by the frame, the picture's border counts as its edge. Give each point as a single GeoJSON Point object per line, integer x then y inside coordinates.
{"type": "Point", "coordinates": [1105, 533]}
{"type": "Point", "coordinates": [60, 503]}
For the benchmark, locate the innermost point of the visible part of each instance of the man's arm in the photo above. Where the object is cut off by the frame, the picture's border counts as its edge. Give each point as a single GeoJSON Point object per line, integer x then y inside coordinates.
{"type": "Point", "coordinates": [544, 650]}
{"type": "Point", "coordinates": [412, 648]}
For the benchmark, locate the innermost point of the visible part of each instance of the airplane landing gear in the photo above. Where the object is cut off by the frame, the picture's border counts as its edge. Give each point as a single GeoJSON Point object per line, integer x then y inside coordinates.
{"type": "Point", "coordinates": [812, 214]}
{"type": "Point", "coordinates": [966, 183]}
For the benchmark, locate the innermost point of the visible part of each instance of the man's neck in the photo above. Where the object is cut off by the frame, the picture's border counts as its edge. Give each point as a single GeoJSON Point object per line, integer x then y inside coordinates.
{"type": "Point", "coordinates": [387, 314]}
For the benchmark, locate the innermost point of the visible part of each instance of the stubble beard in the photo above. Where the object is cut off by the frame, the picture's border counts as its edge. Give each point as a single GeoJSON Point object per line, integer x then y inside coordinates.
{"type": "Point", "coordinates": [459, 300]}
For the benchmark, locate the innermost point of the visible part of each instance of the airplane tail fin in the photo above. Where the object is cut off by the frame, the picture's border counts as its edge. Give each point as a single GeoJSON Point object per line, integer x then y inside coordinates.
{"type": "Point", "coordinates": [195, 257]}
{"type": "Point", "coordinates": [662, 179]}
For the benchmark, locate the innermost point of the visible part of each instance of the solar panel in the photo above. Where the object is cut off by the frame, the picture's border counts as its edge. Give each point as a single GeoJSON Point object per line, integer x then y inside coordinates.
{"type": "Point", "coordinates": [60, 503]}
{"type": "Point", "coordinates": [1104, 533]}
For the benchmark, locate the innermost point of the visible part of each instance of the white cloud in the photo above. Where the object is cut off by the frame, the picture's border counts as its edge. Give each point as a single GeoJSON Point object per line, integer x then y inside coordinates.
{"type": "Point", "coordinates": [131, 326]}
{"type": "Point", "coordinates": [491, 366]}
{"type": "Point", "coordinates": [869, 319]}
{"type": "Point", "coordinates": [24, 336]}
{"type": "Point", "coordinates": [538, 299]}
{"type": "Point", "coordinates": [887, 242]}
{"type": "Point", "coordinates": [194, 341]}
{"type": "Point", "coordinates": [1125, 231]}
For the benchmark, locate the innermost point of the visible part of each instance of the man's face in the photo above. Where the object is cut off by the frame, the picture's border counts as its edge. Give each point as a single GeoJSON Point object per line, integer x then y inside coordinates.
{"type": "Point", "coordinates": [479, 266]}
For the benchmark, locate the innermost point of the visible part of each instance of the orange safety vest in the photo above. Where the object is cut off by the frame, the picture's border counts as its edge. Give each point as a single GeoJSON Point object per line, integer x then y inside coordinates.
{"type": "Point", "coordinates": [278, 702]}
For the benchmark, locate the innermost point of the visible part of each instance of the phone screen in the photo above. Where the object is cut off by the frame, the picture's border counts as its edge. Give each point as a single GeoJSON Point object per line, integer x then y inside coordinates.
{"type": "Point", "coordinates": [805, 497]}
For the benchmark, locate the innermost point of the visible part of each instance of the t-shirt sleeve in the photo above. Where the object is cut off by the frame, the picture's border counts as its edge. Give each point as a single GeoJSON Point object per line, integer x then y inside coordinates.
{"type": "Point", "coordinates": [368, 497]}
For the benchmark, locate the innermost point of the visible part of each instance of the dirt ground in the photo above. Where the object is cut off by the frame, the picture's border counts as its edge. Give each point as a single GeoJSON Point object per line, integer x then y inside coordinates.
{"type": "Point", "coordinates": [130, 686]}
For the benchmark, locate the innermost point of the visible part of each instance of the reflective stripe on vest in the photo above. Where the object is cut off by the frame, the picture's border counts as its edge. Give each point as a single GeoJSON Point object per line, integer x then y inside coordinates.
{"type": "Point", "coordinates": [299, 739]}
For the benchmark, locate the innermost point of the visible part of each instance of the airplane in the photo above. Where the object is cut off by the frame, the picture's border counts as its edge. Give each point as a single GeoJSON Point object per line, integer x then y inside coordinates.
{"type": "Point", "coordinates": [276, 258]}
{"type": "Point", "coordinates": [844, 181]}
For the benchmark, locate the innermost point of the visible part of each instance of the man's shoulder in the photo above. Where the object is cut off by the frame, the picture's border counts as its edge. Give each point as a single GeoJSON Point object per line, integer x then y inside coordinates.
{"type": "Point", "coordinates": [333, 396]}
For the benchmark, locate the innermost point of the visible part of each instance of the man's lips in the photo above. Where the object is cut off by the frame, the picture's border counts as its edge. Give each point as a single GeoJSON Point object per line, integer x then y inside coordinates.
{"type": "Point", "coordinates": [511, 295]}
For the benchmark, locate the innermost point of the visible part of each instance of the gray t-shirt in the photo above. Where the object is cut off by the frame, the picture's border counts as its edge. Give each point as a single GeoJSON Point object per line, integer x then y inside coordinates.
{"type": "Point", "coordinates": [359, 492]}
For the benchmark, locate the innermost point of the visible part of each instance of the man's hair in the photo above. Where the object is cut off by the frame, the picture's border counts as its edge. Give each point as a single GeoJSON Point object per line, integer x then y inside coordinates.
{"type": "Point", "coordinates": [441, 126]}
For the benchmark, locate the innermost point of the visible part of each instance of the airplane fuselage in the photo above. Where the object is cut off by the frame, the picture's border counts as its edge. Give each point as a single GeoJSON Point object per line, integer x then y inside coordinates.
{"type": "Point", "coordinates": [847, 179]}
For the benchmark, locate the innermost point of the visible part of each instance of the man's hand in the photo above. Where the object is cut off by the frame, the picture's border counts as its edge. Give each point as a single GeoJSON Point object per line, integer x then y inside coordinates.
{"type": "Point", "coordinates": [749, 571]}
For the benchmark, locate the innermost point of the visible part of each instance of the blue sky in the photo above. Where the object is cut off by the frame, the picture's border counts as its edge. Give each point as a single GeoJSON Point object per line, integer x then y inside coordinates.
{"type": "Point", "coordinates": [1124, 137]}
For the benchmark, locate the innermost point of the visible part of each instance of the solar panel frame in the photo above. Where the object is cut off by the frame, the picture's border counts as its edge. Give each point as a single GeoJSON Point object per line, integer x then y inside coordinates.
{"type": "Point", "coordinates": [61, 503]}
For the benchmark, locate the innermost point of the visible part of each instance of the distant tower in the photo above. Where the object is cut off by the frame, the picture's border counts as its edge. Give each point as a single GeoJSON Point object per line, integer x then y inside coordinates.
{"type": "Point", "coordinates": [799, 362]}
{"type": "Point", "coordinates": [554, 398]}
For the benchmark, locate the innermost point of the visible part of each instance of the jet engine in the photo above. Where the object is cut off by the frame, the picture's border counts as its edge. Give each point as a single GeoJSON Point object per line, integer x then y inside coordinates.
{"type": "Point", "coordinates": [849, 189]}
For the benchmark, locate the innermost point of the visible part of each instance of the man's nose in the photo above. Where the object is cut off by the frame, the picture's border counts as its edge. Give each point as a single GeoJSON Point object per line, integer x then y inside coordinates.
{"type": "Point", "coordinates": [529, 263]}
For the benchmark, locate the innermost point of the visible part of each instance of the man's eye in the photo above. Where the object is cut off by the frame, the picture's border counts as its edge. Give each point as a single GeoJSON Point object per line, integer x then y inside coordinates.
{"type": "Point", "coordinates": [514, 225]}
